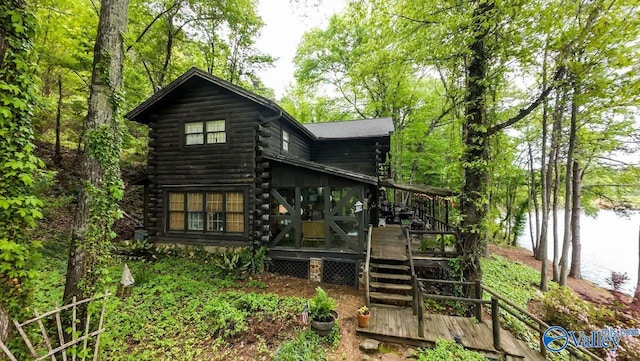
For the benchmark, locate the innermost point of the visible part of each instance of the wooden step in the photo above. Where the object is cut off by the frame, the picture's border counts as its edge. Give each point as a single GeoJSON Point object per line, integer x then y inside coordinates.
{"type": "Point", "coordinates": [400, 267]}
{"type": "Point", "coordinates": [389, 296]}
{"type": "Point", "coordinates": [385, 305]}
{"type": "Point", "coordinates": [391, 286]}
{"type": "Point", "coordinates": [390, 276]}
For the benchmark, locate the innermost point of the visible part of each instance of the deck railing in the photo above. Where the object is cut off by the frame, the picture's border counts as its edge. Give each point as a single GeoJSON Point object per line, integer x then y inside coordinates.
{"type": "Point", "coordinates": [528, 319]}
{"type": "Point", "coordinates": [418, 308]}
{"type": "Point", "coordinates": [367, 264]}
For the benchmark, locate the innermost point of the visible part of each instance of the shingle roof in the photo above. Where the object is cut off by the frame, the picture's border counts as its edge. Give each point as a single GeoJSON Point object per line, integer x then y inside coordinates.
{"type": "Point", "coordinates": [352, 129]}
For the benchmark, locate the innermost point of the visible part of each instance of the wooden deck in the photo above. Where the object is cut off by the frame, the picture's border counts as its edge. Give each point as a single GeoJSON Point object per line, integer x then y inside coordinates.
{"type": "Point", "coordinates": [399, 325]}
{"type": "Point", "coordinates": [389, 243]}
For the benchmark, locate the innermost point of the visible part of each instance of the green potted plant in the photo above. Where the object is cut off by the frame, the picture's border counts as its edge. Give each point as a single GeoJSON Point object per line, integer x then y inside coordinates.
{"type": "Point", "coordinates": [363, 314]}
{"type": "Point", "coordinates": [321, 312]}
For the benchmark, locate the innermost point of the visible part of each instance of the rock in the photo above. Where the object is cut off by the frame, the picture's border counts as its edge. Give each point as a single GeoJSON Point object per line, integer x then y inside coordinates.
{"type": "Point", "coordinates": [411, 353]}
{"type": "Point", "coordinates": [366, 358]}
{"type": "Point", "coordinates": [390, 357]}
{"type": "Point", "coordinates": [369, 345]}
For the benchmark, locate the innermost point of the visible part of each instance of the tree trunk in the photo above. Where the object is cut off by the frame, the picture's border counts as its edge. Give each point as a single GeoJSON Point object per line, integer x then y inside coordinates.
{"type": "Point", "coordinates": [552, 176]}
{"type": "Point", "coordinates": [5, 325]}
{"type": "Point", "coordinates": [554, 209]}
{"type": "Point", "coordinates": [476, 175]}
{"type": "Point", "coordinates": [576, 247]}
{"type": "Point", "coordinates": [566, 241]}
{"type": "Point", "coordinates": [57, 156]}
{"type": "Point", "coordinates": [106, 78]}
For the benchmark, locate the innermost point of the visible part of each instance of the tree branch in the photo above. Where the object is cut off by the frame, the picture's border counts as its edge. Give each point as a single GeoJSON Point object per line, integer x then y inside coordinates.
{"type": "Point", "coordinates": [150, 25]}
{"type": "Point", "coordinates": [560, 72]}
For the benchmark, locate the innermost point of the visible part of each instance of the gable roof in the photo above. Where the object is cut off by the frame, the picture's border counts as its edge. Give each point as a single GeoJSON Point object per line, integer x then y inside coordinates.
{"type": "Point", "coordinates": [139, 113]}
{"type": "Point", "coordinates": [363, 128]}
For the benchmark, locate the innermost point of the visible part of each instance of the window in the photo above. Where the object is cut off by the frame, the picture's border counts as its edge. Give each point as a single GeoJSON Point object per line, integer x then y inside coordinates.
{"type": "Point", "coordinates": [216, 212]}
{"type": "Point", "coordinates": [285, 141]}
{"type": "Point", "coordinates": [215, 131]}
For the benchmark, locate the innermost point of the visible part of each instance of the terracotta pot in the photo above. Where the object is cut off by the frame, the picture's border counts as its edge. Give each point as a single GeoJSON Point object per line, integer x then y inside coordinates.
{"type": "Point", "coordinates": [322, 328]}
{"type": "Point", "coordinates": [363, 320]}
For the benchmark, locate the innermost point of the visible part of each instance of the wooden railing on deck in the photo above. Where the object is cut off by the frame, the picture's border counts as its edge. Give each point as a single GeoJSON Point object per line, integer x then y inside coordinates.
{"type": "Point", "coordinates": [367, 264]}
{"type": "Point", "coordinates": [418, 301]}
{"type": "Point", "coordinates": [531, 321]}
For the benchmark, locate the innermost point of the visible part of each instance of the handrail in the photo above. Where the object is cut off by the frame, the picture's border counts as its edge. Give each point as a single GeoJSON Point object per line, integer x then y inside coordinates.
{"type": "Point", "coordinates": [417, 291]}
{"type": "Point", "coordinates": [367, 264]}
{"type": "Point", "coordinates": [542, 326]}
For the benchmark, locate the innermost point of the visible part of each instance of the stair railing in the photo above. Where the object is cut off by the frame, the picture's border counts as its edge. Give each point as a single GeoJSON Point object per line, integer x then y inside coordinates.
{"type": "Point", "coordinates": [416, 286]}
{"type": "Point", "coordinates": [528, 319]}
{"type": "Point", "coordinates": [367, 263]}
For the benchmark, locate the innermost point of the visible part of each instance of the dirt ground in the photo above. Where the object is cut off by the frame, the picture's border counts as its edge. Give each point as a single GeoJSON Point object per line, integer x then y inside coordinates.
{"type": "Point", "coordinates": [348, 300]}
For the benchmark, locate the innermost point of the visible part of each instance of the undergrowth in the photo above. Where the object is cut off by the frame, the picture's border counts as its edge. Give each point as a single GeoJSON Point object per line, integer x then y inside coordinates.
{"type": "Point", "coordinates": [516, 282]}
{"type": "Point", "coordinates": [447, 350]}
{"type": "Point", "coordinates": [180, 310]}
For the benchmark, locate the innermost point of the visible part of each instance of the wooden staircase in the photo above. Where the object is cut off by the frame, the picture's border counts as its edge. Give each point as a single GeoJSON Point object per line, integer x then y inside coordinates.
{"type": "Point", "coordinates": [390, 283]}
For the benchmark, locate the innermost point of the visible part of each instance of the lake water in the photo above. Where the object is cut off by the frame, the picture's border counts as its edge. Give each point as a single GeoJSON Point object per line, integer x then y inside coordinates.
{"type": "Point", "coordinates": [609, 243]}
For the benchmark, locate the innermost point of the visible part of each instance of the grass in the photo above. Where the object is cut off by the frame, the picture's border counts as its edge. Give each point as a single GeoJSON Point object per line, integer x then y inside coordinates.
{"type": "Point", "coordinates": [180, 310]}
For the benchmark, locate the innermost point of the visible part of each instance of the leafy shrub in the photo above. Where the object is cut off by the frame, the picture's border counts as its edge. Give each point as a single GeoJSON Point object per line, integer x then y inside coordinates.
{"type": "Point", "coordinates": [137, 250]}
{"type": "Point", "coordinates": [446, 350]}
{"type": "Point", "coordinates": [321, 305]}
{"type": "Point", "coordinates": [617, 280]}
{"type": "Point", "coordinates": [307, 346]}
{"type": "Point", "coordinates": [563, 307]}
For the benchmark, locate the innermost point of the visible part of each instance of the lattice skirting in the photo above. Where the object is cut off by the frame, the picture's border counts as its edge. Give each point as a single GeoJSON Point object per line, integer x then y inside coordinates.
{"type": "Point", "coordinates": [290, 267]}
{"type": "Point", "coordinates": [340, 272]}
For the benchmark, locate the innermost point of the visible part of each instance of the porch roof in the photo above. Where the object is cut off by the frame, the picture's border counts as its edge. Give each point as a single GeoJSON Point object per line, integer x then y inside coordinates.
{"type": "Point", "coordinates": [339, 172]}
{"type": "Point", "coordinates": [418, 188]}
{"type": "Point", "coordinates": [350, 129]}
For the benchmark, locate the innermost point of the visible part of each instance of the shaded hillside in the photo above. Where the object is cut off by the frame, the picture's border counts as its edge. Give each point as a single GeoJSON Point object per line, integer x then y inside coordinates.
{"type": "Point", "coordinates": [59, 193]}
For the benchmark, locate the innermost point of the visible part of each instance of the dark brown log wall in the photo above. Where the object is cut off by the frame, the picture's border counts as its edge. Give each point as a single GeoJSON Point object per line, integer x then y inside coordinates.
{"type": "Point", "coordinates": [176, 166]}
{"type": "Point", "coordinates": [357, 155]}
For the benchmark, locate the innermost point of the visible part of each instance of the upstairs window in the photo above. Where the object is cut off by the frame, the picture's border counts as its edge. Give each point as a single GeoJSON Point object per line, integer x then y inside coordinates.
{"type": "Point", "coordinates": [211, 131]}
{"type": "Point", "coordinates": [285, 141]}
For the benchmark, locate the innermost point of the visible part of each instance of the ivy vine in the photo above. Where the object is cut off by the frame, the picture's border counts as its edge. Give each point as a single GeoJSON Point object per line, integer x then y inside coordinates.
{"type": "Point", "coordinates": [19, 167]}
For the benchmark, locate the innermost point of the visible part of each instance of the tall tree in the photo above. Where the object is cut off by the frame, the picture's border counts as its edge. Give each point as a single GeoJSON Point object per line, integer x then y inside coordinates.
{"type": "Point", "coordinates": [19, 208]}
{"type": "Point", "coordinates": [102, 188]}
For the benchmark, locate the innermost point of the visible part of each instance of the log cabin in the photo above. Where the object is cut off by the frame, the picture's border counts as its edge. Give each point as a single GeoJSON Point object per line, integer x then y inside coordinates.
{"type": "Point", "coordinates": [230, 168]}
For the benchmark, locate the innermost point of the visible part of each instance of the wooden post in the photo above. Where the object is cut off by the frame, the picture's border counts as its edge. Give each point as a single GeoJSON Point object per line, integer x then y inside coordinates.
{"type": "Point", "coordinates": [543, 349]}
{"type": "Point", "coordinates": [420, 314]}
{"type": "Point", "coordinates": [478, 294]}
{"type": "Point", "coordinates": [495, 323]}
{"type": "Point", "coordinates": [446, 212]}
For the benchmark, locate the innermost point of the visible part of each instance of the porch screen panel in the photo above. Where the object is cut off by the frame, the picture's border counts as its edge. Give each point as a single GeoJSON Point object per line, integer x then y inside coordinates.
{"type": "Point", "coordinates": [195, 215]}
{"type": "Point", "coordinates": [235, 214]}
{"type": "Point", "coordinates": [176, 211]}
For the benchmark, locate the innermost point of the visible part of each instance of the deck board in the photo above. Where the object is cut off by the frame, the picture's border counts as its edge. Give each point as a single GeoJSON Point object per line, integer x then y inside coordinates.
{"type": "Point", "coordinates": [388, 243]}
{"type": "Point", "coordinates": [400, 325]}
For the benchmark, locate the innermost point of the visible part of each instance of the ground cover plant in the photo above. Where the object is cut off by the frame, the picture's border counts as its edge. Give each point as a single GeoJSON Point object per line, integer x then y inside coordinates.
{"type": "Point", "coordinates": [182, 309]}
{"type": "Point", "coordinates": [447, 350]}
{"type": "Point", "coordinates": [517, 283]}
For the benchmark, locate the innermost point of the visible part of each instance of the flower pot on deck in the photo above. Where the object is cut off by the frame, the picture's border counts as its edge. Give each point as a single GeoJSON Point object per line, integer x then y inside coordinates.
{"type": "Point", "coordinates": [363, 320]}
